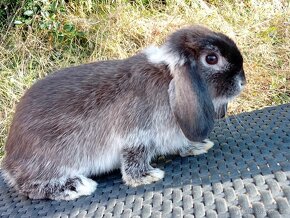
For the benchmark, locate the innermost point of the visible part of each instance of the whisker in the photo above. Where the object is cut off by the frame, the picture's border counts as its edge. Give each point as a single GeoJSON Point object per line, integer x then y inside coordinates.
{"type": "Point", "coordinates": [238, 121]}
{"type": "Point", "coordinates": [241, 121]}
{"type": "Point", "coordinates": [229, 124]}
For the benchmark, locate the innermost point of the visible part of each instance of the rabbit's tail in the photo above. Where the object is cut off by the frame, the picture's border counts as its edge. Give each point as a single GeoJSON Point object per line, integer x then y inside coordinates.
{"type": "Point", "coordinates": [59, 189]}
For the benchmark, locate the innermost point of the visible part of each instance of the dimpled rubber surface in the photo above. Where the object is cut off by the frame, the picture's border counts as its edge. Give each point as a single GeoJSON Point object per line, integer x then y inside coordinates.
{"type": "Point", "coordinates": [246, 174]}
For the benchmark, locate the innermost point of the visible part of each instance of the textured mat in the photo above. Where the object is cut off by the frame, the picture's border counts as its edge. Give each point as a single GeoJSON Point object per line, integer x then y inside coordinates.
{"type": "Point", "coordinates": [246, 174]}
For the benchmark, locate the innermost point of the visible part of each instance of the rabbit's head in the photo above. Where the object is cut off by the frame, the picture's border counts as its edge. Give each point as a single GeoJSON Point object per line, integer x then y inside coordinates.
{"type": "Point", "coordinates": [215, 58]}
{"type": "Point", "coordinates": [207, 70]}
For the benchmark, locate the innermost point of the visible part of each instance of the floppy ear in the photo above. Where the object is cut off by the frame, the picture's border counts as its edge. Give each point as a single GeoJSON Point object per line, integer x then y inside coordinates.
{"type": "Point", "coordinates": [191, 103]}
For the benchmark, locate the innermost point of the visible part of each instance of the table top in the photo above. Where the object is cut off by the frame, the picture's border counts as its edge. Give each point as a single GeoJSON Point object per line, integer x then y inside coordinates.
{"type": "Point", "coordinates": [246, 174]}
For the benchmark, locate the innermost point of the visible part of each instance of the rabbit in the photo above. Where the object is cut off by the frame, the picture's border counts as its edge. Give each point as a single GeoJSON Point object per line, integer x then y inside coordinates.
{"type": "Point", "coordinates": [93, 118]}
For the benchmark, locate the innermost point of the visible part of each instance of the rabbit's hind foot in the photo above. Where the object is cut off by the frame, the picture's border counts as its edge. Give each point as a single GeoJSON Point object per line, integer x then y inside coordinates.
{"type": "Point", "coordinates": [61, 189]}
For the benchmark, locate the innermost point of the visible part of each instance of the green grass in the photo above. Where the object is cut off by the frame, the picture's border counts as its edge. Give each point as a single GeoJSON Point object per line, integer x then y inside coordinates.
{"type": "Point", "coordinates": [59, 34]}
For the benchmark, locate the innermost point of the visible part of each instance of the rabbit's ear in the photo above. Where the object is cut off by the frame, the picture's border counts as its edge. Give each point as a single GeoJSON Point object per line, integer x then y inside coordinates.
{"type": "Point", "coordinates": [191, 103]}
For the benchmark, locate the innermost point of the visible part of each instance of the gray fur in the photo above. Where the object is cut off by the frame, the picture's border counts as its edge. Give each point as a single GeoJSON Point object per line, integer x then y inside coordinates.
{"type": "Point", "coordinates": [93, 118]}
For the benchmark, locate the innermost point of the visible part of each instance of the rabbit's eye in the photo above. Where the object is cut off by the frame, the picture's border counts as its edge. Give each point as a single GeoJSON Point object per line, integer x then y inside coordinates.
{"type": "Point", "coordinates": [211, 59]}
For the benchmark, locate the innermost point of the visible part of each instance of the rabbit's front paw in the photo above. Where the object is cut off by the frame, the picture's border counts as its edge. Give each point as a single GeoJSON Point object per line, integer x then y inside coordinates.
{"type": "Point", "coordinates": [196, 148]}
{"type": "Point", "coordinates": [146, 178]}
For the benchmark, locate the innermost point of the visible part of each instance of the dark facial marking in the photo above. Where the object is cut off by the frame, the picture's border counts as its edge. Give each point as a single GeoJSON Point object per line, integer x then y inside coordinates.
{"type": "Point", "coordinates": [229, 50]}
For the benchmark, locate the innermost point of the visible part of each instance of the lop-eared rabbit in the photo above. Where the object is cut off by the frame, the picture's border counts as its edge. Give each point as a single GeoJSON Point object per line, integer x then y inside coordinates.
{"type": "Point", "coordinates": [90, 119]}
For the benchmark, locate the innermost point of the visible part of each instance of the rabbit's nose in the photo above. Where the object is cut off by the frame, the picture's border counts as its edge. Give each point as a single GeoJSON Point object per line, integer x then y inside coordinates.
{"type": "Point", "coordinates": [242, 78]}
{"type": "Point", "coordinates": [242, 83]}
